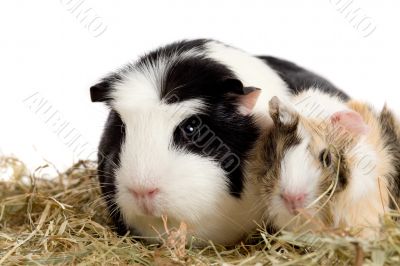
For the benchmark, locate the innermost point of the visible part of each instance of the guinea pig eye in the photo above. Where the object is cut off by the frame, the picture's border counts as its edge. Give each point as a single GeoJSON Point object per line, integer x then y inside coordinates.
{"type": "Point", "coordinates": [190, 126]}
{"type": "Point", "coordinates": [325, 158]}
{"type": "Point", "coordinates": [189, 129]}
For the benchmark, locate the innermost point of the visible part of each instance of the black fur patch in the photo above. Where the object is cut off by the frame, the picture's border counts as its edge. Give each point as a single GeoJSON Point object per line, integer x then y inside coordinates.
{"type": "Point", "coordinates": [108, 160]}
{"type": "Point", "coordinates": [299, 79]}
{"type": "Point", "coordinates": [344, 173]}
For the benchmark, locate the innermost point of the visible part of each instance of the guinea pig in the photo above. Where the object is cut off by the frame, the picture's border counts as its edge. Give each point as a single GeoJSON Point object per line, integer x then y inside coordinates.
{"type": "Point", "coordinates": [338, 169]}
{"type": "Point", "coordinates": [183, 120]}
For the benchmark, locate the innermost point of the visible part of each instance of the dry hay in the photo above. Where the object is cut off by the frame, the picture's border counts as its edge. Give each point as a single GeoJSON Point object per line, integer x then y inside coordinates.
{"type": "Point", "coordinates": [63, 221]}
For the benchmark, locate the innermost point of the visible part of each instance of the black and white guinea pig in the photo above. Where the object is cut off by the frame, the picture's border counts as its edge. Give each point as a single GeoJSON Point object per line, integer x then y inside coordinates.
{"type": "Point", "coordinates": [337, 167]}
{"type": "Point", "coordinates": [182, 123]}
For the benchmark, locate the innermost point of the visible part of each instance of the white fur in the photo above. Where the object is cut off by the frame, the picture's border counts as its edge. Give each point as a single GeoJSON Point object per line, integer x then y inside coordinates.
{"type": "Point", "coordinates": [363, 173]}
{"type": "Point", "coordinates": [192, 189]}
{"type": "Point", "coordinates": [298, 172]}
{"type": "Point", "coordinates": [315, 104]}
{"type": "Point", "coordinates": [298, 176]}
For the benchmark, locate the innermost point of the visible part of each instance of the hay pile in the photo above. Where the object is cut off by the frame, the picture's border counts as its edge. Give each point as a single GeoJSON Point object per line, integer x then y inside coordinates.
{"type": "Point", "coordinates": [62, 221]}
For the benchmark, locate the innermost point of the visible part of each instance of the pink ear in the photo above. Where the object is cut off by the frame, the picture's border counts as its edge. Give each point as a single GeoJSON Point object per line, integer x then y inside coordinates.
{"type": "Point", "coordinates": [248, 100]}
{"type": "Point", "coordinates": [351, 121]}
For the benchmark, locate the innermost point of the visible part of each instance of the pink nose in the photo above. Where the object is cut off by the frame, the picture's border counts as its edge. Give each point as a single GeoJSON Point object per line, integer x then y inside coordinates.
{"type": "Point", "coordinates": [293, 201]}
{"type": "Point", "coordinates": [144, 192]}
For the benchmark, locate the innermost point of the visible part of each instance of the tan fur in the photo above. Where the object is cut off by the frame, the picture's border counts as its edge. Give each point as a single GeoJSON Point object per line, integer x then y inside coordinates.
{"type": "Point", "coordinates": [343, 209]}
{"type": "Point", "coordinates": [367, 211]}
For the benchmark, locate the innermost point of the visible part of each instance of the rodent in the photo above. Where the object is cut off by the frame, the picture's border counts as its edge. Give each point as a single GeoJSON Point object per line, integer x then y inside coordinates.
{"type": "Point", "coordinates": [336, 170]}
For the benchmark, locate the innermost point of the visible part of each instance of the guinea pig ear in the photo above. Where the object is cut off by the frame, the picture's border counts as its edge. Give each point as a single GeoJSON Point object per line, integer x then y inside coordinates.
{"type": "Point", "coordinates": [248, 100]}
{"type": "Point", "coordinates": [246, 96]}
{"type": "Point", "coordinates": [231, 85]}
{"type": "Point", "coordinates": [281, 113]}
{"type": "Point", "coordinates": [99, 92]}
{"type": "Point", "coordinates": [351, 121]}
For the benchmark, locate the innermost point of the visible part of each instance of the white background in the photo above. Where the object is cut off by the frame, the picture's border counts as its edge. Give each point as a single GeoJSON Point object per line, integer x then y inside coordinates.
{"type": "Point", "coordinates": [47, 49]}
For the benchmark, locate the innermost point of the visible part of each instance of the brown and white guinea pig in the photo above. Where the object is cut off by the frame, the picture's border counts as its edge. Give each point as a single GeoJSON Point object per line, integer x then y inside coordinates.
{"type": "Point", "coordinates": [337, 167]}
{"type": "Point", "coordinates": [182, 122]}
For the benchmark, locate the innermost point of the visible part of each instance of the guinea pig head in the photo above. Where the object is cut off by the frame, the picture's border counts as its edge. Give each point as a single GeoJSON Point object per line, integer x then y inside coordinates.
{"type": "Point", "coordinates": [308, 164]}
{"type": "Point", "coordinates": [174, 143]}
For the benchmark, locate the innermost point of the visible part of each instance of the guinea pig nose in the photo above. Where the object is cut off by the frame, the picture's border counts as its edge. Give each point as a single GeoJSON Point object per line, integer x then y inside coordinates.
{"type": "Point", "coordinates": [144, 192]}
{"type": "Point", "coordinates": [293, 200]}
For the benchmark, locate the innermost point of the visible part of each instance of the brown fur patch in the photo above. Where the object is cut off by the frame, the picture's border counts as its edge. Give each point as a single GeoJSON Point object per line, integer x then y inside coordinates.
{"type": "Point", "coordinates": [391, 133]}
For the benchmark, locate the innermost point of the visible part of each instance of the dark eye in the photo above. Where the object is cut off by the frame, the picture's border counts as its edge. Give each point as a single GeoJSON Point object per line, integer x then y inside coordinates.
{"type": "Point", "coordinates": [190, 126]}
{"type": "Point", "coordinates": [325, 158]}
{"type": "Point", "coordinates": [189, 129]}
